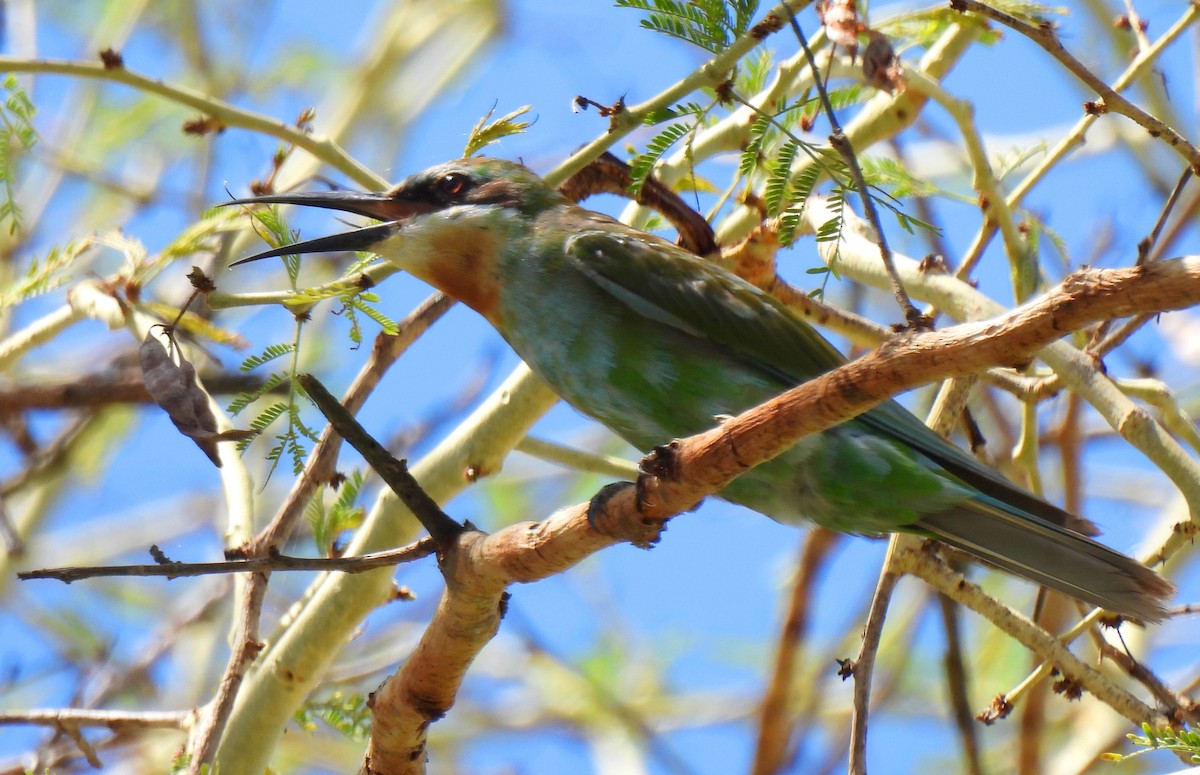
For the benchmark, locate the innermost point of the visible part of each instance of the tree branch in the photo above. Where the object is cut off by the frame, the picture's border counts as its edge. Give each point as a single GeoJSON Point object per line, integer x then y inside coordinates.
{"type": "Point", "coordinates": [111, 719]}
{"type": "Point", "coordinates": [265, 564]}
{"type": "Point", "coordinates": [1110, 100]}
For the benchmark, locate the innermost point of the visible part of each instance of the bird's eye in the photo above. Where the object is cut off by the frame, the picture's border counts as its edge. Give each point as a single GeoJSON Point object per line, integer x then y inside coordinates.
{"type": "Point", "coordinates": [452, 184]}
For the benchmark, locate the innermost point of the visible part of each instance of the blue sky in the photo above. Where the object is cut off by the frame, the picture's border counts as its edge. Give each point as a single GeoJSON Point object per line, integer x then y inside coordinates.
{"type": "Point", "coordinates": [705, 603]}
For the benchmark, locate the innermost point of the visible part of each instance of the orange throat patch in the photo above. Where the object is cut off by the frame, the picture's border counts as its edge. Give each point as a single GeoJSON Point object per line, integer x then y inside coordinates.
{"type": "Point", "coordinates": [463, 263]}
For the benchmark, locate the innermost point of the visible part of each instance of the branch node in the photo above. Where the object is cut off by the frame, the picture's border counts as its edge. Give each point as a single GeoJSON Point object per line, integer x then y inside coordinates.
{"type": "Point", "coordinates": [999, 709]}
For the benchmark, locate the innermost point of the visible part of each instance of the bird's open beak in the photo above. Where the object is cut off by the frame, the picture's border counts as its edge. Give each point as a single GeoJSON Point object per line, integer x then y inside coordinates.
{"type": "Point", "coordinates": [392, 209]}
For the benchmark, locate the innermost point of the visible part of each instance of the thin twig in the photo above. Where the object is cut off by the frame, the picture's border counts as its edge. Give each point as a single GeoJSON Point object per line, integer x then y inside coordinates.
{"type": "Point", "coordinates": [1110, 100]}
{"type": "Point", "coordinates": [945, 410]}
{"type": "Point", "coordinates": [1150, 241]}
{"type": "Point", "coordinates": [842, 145]}
{"type": "Point", "coordinates": [246, 647]}
{"type": "Point", "coordinates": [112, 719]}
{"type": "Point", "coordinates": [607, 174]}
{"type": "Point", "coordinates": [576, 458]}
{"type": "Point", "coordinates": [394, 472]}
{"type": "Point", "coordinates": [272, 562]}
{"type": "Point", "coordinates": [1102, 343]}
{"type": "Point", "coordinates": [1179, 707]}
{"type": "Point", "coordinates": [956, 685]}
{"type": "Point", "coordinates": [864, 665]}
{"type": "Point", "coordinates": [775, 715]}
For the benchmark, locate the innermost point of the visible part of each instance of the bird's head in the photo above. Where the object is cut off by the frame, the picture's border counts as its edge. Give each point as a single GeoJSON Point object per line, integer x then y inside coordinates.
{"type": "Point", "coordinates": [446, 225]}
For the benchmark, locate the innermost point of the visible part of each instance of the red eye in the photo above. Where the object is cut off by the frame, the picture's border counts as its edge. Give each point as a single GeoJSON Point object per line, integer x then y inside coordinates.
{"type": "Point", "coordinates": [453, 184]}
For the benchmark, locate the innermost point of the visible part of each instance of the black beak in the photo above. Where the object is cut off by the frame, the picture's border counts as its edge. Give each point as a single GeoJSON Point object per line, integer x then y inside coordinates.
{"type": "Point", "coordinates": [390, 208]}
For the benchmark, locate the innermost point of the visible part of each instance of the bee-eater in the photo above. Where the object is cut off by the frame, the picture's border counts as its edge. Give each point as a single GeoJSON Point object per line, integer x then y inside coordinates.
{"type": "Point", "coordinates": [657, 343]}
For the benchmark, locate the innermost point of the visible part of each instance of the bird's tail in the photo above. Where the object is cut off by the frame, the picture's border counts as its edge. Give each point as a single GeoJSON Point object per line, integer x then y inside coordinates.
{"type": "Point", "coordinates": [1054, 556]}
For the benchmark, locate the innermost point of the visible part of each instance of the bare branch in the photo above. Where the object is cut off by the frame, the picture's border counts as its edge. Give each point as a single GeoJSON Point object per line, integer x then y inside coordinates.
{"type": "Point", "coordinates": [272, 562]}
{"type": "Point", "coordinates": [110, 719]}
{"type": "Point", "coordinates": [1110, 100]}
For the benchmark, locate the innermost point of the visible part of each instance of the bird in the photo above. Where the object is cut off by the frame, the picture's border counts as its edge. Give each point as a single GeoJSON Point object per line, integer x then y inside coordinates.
{"type": "Point", "coordinates": [658, 343]}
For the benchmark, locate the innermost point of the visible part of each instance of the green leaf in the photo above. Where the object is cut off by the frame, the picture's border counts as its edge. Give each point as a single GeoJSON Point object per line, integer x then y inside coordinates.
{"type": "Point", "coordinates": [485, 133]}
{"type": "Point", "coordinates": [704, 23]}
{"type": "Point", "coordinates": [659, 145]}
{"type": "Point", "coordinates": [895, 177]}
{"type": "Point", "coordinates": [353, 303]}
{"type": "Point", "coordinates": [269, 354]}
{"type": "Point", "coordinates": [43, 275]}
{"type": "Point", "coordinates": [245, 399]}
{"type": "Point", "coordinates": [680, 110]}
{"type": "Point", "coordinates": [269, 415]}
{"type": "Point", "coordinates": [17, 116]}
{"type": "Point", "coordinates": [776, 190]}
{"type": "Point", "coordinates": [829, 231]}
{"type": "Point", "coordinates": [752, 155]}
{"type": "Point", "coordinates": [1183, 741]}
{"type": "Point", "coordinates": [329, 523]}
{"type": "Point", "coordinates": [754, 69]}
{"type": "Point", "coordinates": [349, 715]}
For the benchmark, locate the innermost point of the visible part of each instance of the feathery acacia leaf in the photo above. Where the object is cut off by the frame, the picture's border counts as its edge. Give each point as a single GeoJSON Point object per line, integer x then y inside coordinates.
{"type": "Point", "coordinates": [245, 399]}
{"type": "Point", "coordinates": [752, 155]}
{"type": "Point", "coordinates": [43, 276]}
{"type": "Point", "coordinates": [895, 177]}
{"type": "Point", "coordinates": [270, 353]}
{"type": "Point", "coordinates": [775, 192]}
{"type": "Point", "coordinates": [17, 116]}
{"type": "Point", "coordinates": [349, 715]}
{"type": "Point", "coordinates": [659, 145]}
{"type": "Point", "coordinates": [353, 303]}
{"type": "Point", "coordinates": [269, 415]}
{"type": "Point", "coordinates": [679, 111]}
{"type": "Point", "coordinates": [485, 132]}
{"type": "Point", "coordinates": [801, 189]}
{"type": "Point", "coordinates": [342, 515]}
{"type": "Point", "coordinates": [704, 23]}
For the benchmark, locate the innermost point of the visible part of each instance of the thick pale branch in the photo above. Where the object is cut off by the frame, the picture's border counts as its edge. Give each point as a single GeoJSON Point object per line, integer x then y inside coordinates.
{"type": "Point", "coordinates": [228, 114]}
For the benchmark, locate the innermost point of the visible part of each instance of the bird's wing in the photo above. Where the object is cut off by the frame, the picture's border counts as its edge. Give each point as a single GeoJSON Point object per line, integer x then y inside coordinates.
{"type": "Point", "coordinates": [665, 283]}
{"type": "Point", "coordinates": [674, 287]}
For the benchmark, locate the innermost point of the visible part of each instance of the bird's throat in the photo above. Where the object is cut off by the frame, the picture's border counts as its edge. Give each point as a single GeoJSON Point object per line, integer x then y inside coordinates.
{"type": "Point", "coordinates": [461, 260]}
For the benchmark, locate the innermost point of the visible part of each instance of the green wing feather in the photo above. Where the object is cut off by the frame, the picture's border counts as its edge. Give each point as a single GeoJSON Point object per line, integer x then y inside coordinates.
{"type": "Point", "coordinates": [675, 287]}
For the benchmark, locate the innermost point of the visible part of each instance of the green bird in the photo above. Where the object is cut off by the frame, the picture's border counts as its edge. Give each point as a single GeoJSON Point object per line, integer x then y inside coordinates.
{"type": "Point", "coordinates": [657, 343]}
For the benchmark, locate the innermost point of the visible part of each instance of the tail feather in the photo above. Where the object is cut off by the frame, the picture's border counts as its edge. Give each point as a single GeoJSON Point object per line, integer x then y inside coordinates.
{"type": "Point", "coordinates": [1053, 556]}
